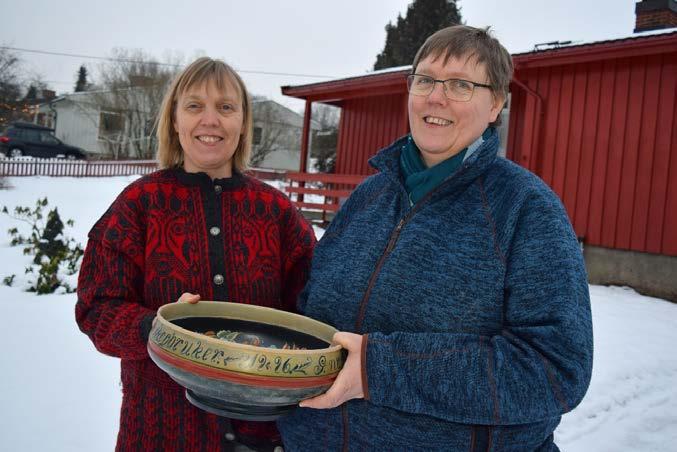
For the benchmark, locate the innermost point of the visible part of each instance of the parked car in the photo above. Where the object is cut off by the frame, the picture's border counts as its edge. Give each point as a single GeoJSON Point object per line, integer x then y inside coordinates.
{"type": "Point", "coordinates": [27, 139]}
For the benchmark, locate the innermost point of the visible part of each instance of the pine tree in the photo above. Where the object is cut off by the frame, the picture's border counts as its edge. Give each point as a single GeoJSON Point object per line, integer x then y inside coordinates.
{"type": "Point", "coordinates": [81, 84]}
{"type": "Point", "coordinates": [50, 243]}
{"type": "Point", "coordinates": [424, 17]}
{"type": "Point", "coordinates": [31, 94]}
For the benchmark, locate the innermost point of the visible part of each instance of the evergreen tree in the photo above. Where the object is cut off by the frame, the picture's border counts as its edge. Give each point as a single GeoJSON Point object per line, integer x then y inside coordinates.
{"type": "Point", "coordinates": [81, 84]}
{"type": "Point", "coordinates": [31, 94]}
{"type": "Point", "coordinates": [51, 244]}
{"type": "Point", "coordinates": [424, 17]}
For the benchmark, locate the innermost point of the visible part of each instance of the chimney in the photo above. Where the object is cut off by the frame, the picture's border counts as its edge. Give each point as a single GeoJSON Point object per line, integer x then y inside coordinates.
{"type": "Point", "coordinates": [655, 15]}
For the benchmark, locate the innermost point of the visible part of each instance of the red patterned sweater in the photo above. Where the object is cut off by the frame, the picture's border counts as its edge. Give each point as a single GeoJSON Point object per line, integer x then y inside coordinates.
{"type": "Point", "coordinates": [171, 232]}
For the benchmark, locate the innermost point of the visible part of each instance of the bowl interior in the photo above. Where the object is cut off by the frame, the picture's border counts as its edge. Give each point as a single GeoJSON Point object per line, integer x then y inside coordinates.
{"type": "Point", "coordinates": [250, 332]}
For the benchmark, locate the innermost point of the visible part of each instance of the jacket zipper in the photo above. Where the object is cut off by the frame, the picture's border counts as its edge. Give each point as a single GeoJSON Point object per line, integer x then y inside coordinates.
{"type": "Point", "coordinates": [393, 240]}
{"type": "Point", "coordinates": [372, 280]}
{"type": "Point", "coordinates": [346, 434]}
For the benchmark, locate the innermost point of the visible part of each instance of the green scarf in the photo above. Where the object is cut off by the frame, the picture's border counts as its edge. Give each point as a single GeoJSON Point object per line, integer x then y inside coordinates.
{"type": "Point", "coordinates": [418, 178]}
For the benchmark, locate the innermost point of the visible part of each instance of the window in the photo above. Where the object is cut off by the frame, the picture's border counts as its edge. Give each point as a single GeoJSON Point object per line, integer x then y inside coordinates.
{"type": "Point", "coordinates": [258, 131]}
{"type": "Point", "coordinates": [30, 135]}
{"type": "Point", "coordinates": [48, 138]}
{"type": "Point", "coordinates": [111, 125]}
{"type": "Point", "coordinates": [503, 128]}
{"type": "Point", "coordinates": [15, 133]}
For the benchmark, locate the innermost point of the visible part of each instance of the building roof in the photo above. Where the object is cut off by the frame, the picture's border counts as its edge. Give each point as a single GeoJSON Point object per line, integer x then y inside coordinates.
{"type": "Point", "coordinates": [573, 44]}
{"type": "Point", "coordinates": [391, 80]}
{"type": "Point", "coordinates": [374, 83]}
{"type": "Point", "coordinates": [380, 72]}
{"type": "Point", "coordinates": [645, 43]}
{"type": "Point", "coordinates": [84, 96]}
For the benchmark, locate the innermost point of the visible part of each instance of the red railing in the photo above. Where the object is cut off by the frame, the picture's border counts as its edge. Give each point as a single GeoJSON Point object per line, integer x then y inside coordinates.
{"type": "Point", "coordinates": [327, 191]}
{"type": "Point", "coordinates": [75, 168]}
{"type": "Point", "coordinates": [267, 174]}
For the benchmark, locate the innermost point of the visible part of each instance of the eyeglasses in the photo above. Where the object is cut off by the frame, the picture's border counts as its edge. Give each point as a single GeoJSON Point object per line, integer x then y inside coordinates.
{"type": "Point", "coordinates": [454, 88]}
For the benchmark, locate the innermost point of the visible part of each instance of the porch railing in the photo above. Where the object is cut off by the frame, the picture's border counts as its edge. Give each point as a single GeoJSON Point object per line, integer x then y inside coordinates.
{"type": "Point", "coordinates": [321, 193]}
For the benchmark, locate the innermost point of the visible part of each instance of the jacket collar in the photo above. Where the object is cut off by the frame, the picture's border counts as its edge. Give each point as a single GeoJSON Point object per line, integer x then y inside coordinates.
{"type": "Point", "coordinates": [387, 161]}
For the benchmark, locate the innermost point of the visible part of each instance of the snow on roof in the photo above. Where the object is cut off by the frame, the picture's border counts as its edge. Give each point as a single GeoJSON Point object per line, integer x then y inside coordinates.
{"type": "Point", "coordinates": [352, 77]}
{"type": "Point", "coordinates": [390, 69]}
{"type": "Point", "coordinates": [625, 37]}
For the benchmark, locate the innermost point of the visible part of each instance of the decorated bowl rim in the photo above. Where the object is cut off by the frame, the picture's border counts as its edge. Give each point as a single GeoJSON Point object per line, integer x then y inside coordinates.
{"type": "Point", "coordinates": [289, 319]}
{"type": "Point", "coordinates": [235, 376]}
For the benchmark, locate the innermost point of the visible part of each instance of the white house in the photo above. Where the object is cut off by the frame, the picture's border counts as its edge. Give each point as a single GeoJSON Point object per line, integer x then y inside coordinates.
{"type": "Point", "coordinates": [104, 123]}
{"type": "Point", "coordinates": [277, 135]}
{"type": "Point", "coordinates": [74, 118]}
{"type": "Point", "coordinates": [119, 125]}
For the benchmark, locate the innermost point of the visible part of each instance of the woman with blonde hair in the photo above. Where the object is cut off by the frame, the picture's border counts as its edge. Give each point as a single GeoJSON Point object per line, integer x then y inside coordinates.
{"type": "Point", "coordinates": [197, 226]}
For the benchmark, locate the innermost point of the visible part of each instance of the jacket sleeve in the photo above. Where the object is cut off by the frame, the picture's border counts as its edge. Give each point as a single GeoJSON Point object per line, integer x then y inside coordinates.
{"type": "Point", "coordinates": [537, 367]}
{"type": "Point", "coordinates": [298, 241]}
{"type": "Point", "coordinates": [110, 286]}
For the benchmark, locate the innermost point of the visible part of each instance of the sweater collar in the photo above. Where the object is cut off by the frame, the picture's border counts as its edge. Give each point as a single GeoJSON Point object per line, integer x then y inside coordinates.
{"type": "Point", "coordinates": [203, 180]}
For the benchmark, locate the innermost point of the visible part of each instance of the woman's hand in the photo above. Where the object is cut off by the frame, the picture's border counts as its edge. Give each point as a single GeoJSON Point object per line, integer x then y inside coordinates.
{"type": "Point", "coordinates": [187, 297]}
{"type": "Point", "coordinates": [348, 383]}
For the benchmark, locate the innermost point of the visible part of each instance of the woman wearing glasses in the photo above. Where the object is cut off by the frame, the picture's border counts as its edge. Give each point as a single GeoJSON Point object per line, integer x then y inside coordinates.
{"type": "Point", "coordinates": [465, 305]}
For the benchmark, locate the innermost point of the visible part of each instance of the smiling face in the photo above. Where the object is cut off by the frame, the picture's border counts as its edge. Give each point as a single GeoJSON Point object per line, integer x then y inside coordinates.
{"type": "Point", "coordinates": [441, 128]}
{"type": "Point", "coordinates": [209, 123]}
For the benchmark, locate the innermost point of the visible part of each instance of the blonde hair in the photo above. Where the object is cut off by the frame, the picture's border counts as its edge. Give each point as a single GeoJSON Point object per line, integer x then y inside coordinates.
{"type": "Point", "coordinates": [199, 72]}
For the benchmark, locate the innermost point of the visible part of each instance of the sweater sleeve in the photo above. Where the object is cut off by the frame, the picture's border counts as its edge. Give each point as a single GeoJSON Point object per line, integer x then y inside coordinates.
{"type": "Point", "coordinates": [537, 367]}
{"type": "Point", "coordinates": [110, 286]}
{"type": "Point", "coordinates": [297, 246]}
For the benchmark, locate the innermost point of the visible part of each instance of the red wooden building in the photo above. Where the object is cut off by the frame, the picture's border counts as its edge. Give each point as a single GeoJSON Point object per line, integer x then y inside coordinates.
{"type": "Point", "coordinates": [373, 114]}
{"type": "Point", "coordinates": [597, 122]}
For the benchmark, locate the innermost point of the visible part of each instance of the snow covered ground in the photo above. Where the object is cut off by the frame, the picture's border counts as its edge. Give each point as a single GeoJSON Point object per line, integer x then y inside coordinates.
{"type": "Point", "coordinates": [59, 394]}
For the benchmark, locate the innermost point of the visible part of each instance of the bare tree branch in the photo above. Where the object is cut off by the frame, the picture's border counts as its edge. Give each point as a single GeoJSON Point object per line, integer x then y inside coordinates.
{"type": "Point", "coordinates": [132, 88]}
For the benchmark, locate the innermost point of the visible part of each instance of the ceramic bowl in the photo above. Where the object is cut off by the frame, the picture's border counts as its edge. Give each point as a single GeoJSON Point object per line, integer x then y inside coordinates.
{"type": "Point", "coordinates": [244, 361]}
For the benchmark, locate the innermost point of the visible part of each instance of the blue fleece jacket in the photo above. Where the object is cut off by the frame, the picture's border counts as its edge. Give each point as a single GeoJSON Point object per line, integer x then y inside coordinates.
{"type": "Point", "coordinates": [475, 306]}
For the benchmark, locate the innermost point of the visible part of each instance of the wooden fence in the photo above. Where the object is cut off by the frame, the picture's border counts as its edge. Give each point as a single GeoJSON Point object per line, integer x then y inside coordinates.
{"type": "Point", "coordinates": [75, 168]}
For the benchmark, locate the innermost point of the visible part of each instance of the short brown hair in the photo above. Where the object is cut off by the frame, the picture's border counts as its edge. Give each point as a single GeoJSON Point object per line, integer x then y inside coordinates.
{"type": "Point", "coordinates": [463, 41]}
{"type": "Point", "coordinates": [200, 71]}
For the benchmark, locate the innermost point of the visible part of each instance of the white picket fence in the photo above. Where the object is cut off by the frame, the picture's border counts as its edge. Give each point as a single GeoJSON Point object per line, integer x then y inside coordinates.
{"type": "Point", "coordinates": [75, 168]}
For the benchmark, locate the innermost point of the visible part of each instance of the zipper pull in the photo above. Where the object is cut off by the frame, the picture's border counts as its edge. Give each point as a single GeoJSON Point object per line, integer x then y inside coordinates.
{"type": "Point", "coordinates": [393, 236]}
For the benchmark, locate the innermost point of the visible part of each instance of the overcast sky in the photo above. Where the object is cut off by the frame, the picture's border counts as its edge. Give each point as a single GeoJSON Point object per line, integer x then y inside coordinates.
{"type": "Point", "coordinates": [313, 37]}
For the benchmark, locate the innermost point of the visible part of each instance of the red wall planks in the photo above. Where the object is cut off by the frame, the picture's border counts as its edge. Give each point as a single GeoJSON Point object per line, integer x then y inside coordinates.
{"type": "Point", "coordinates": [646, 154]}
{"type": "Point", "coordinates": [664, 155]}
{"type": "Point", "coordinates": [588, 155]}
{"type": "Point", "coordinates": [367, 125]}
{"type": "Point", "coordinates": [607, 145]}
{"type": "Point", "coordinates": [669, 244]}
